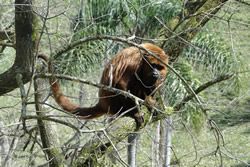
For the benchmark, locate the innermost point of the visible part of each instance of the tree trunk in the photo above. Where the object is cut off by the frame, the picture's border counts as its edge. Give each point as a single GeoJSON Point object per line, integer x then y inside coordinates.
{"type": "Point", "coordinates": [25, 45]}
{"type": "Point", "coordinates": [162, 145]}
{"type": "Point", "coordinates": [48, 138]}
{"type": "Point", "coordinates": [156, 146]}
{"type": "Point", "coordinates": [168, 141]}
{"type": "Point", "coordinates": [4, 148]}
{"type": "Point", "coordinates": [132, 147]}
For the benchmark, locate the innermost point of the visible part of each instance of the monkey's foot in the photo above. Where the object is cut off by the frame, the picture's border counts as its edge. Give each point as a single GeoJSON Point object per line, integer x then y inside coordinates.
{"type": "Point", "coordinates": [139, 120]}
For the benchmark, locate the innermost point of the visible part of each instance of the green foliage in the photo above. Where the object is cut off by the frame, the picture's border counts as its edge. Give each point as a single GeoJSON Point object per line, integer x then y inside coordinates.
{"type": "Point", "coordinates": [193, 116]}
{"type": "Point", "coordinates": [210, 53]}
{"type": "Point", "coordinates": [175, 89]}
{"type": "Point", "coordinates": [206, 58]}
{"type": "Point", "coordinates": [210, 57]}
{"type": "Point", "coordinates": [81, 59]}
{"type": "Point", "coordinates": [125, 17]}
{"type": "Point", "coordinates": [144, 12]}
{"type": "Point", "coordinates": [112, 17]}
{"type": "Point", "coordinates": [100, 16]}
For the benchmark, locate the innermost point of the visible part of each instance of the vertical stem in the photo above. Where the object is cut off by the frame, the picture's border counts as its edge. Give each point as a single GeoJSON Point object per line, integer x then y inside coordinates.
{"type": "Point", "coordinates": [162, 146]}
{"type": "Point", "coordinates": [132, 146]}
{"type": "Point", "coordinates": [81, 95]}
{"type": "Point", "coordinates": [168, 141]}
{"type": "Point", "coordinates": [156, 146]}
{"type": "Point", "coordinates": [49, 143]}
{"type": "Point", "coordinates": [4, 147]}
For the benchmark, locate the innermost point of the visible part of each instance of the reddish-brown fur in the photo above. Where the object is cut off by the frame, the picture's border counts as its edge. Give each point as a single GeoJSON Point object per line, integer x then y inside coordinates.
{"type": "Point", "coordinates": [132, 70]}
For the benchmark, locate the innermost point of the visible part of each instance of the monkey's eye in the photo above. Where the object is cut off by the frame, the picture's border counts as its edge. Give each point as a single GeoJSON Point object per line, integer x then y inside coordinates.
{"type": "Point", "coordinates": [157, 66]}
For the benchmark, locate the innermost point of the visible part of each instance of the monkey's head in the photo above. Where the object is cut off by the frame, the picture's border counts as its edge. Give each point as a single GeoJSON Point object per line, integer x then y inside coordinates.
{"type": "Point", "coordinates": [153, 70]}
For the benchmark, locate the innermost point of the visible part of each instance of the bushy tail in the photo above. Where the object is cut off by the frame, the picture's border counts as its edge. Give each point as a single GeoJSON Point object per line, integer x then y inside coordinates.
{"type": "Point", "coordinates": [61, 99]}
{"type": "Point", "coordinates": [64, 102]}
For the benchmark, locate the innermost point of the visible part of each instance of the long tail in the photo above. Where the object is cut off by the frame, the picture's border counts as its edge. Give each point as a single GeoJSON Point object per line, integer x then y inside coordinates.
{"type": "Point", "coordinates": [65, 103]}
{"type": "Point", "coordinates": [61, 99]}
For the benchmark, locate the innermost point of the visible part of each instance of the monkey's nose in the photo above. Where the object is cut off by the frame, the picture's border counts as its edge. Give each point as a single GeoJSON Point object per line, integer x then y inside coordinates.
{"type": "Point", "coordinates": [156, 74]}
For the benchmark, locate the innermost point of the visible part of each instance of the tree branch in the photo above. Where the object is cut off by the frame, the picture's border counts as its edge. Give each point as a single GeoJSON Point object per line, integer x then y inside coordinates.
{"type": "Point", "coordinates": [4, 44]}
{"type": "Point", "coordinates": [187, 27]}
{"type": "Point", "coordinates": [6, 35]}
{"type": "Point", "coordinates": [243, 2]}
{"type": "Point", "coordinates": [201, 88]}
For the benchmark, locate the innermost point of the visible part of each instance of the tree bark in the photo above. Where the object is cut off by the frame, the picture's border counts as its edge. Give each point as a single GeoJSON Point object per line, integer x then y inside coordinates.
{"type": "Point", "coordinates": [162, 144]}
{"type": "Point", "coordinates": [180, 30]}
{"type": "Point", "coordinates": [4, 148]}
{"type": "Point", "coordinates": [132, 147]}
{"type": "Point", "coordinates": [48, 138]}
{"type": "Point", "coordinates": [25, 45]}
{"type": "Point", "coordinates": [168, 141]}
{"type": "Point", "coordinates": [156, 146]}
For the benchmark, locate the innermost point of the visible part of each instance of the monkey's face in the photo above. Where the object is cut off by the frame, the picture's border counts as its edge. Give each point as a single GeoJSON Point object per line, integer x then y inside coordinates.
{"type": "Point", "coordinates": [154, 71]}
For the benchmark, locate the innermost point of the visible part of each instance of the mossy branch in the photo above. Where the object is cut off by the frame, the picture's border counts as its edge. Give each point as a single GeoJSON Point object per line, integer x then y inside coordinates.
{"type": "Point", "coordinates": [181, 29]}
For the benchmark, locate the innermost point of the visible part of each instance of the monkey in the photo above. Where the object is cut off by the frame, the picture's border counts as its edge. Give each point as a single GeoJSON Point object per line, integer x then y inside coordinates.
{"type": "Point", "coordinates": [132, 70]}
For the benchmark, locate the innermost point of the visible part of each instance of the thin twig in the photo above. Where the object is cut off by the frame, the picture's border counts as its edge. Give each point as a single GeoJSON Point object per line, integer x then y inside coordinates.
{"type": "Point", "coordinates": [112, 144]}
{"type": "Point", "coordinates": [19, 78]}
{"type": "Point", "coordinates": [243, 2]}
{"type": "Point", "coordinates": [12, 146]}
{"type": "Point", "coordinates": [101, 86]}
{"type": "Point", "coordinates": [201, 88]}
{"type": "Point", "coordinates": [53, 120]}
{"type": "Point", "coordinates": [6, 44]}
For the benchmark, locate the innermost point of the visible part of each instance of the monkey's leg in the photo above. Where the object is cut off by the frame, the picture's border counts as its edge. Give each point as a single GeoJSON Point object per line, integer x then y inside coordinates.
{"type": "Point", "coordinates": [139, 120]}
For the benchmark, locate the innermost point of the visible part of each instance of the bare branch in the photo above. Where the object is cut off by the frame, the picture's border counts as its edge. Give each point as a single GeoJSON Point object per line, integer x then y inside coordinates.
{"type": "Point", "coordinates": [243, 2]}
{"type": "Point", "coordinates": [5, 44]}
{"type": "Point", "coordinates": [23, 98]}
{"type": "Point", "coordinates": [101, 86]}
{"type": "Point", "coordinates": [6, 35]}
{"type": "Point", "coordinates": [201, 88]}
{"type": "Point", "coordinates": [47, 118]}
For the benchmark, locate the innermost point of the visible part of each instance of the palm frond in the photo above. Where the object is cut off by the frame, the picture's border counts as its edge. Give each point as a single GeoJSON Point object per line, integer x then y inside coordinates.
{"type": "Point", "coordinates": [112, 17]}
{"type": "Point", "coordinates": [210, 54]}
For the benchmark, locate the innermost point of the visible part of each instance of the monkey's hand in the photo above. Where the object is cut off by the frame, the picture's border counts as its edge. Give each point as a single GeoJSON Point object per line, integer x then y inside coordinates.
{"type": "Point", "coordinates": [150, 101]}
